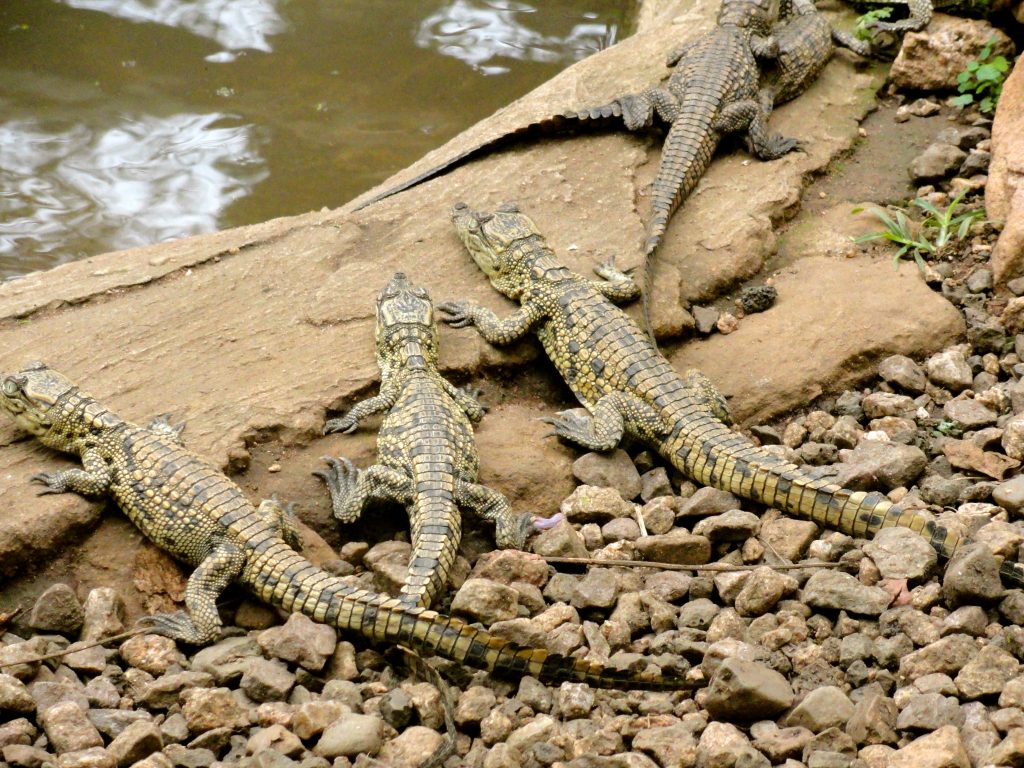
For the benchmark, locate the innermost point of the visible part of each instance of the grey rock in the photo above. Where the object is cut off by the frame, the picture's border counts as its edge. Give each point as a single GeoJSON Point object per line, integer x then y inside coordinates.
{"type": "Point", "coordinates": [948, 655]}
{"type": "Point", "coordinates": [1013, 437]}
{"type": "Point", "coordinates": [274, 739]}
{"type": "Point", "coordinates": [822, 708]}
{"type": "Point", "coordinates": [1010, 495]}
{"type": "Point", "coordinates": [103, 614]}
{"type": "Point", "coordinates": [57, 610]}
{"type": "Point", "coordinates": [597, 589]}
{"type": "Point", "coordinates": [929, 712]}
{"type": "Point", "coordinates": [113, 722]}
{"type": "Point", "coordinates": [68, 729]}
{"type": "Point", "coordinates": [612, 469]}
{"type": "Point", "coordinates": [561, 540]}
{"type": "Point", "coordinates": [762, 590]}
{"type": "Point", "coordinates": [972, 576]}
{"type": "Point", "coordinates": [313, 717]}
{"type": "Point", "coordinates": [677, 546]}
{"type": "Point", "coordinates": [723, 745]}
{"type": "Point", "coordinates": [511, 565]}
{"type": "Point", "coordinates": [25, 756]}
{"type": "Point", "coordinates": [14, 696]}
{"type": "Point", "coordinates": [301, 641]}
{"type": "Point", "coordinates": [620, 529]}
{"type": "Point", "coordinates": [966, 620]}
{"type": "Point", "coordinates": [659, 515]}
{"type": "Point", "coordinates": [788, 537]}
{"type": "Point", "coordinates": [350, 735]}
{"type": "Point", "coordinates": [757, 298]}
{"type": "Point", "coordinates": [397, 709]}
{"type": "Point", "coordinates": [136, 742]}
{"type": "Point", "coordinates": [267, 680]}
{"type": "Point", "coordinates": [474, 705]}
{"type": "Point", "coordinates": [746, 690]}
{"type": "Point", "coordinates": [574, 700]}
{"type": "Point", "coordinates": [904, 373]}
{"type": "Point", "coordinates": [164, 691]}
{"type": "Point", "coordinates": [668, 745]}
{"type": "Point", "coordinates": [708, 501]}
{"type": "Point", "coordinates": [49, 692]}
{"type": "Point", "coordinates": [936, 163]}
{"type": "Point", "coordinates": [486, 601]}
{"type": "Point", "coordinates": [734, 525]}
{"type": "Point", "coordinates": [972, 414]}
{"type": "Point", "coordinates": [977, 162]}
{"type": "Point", "coordinates": [227, 660]}
{"type": "Point", "coordinates": [210, 709]}
{"type": "Point", "coordinates": [1010, 751]}
{"type": "Point", "coordinates": [410, 747]}
{"type": "Point", "coordinates": [873, 720]}
{"type": "Point", "coordinates": [901, 553]}
{"type": "Point", "coordinates": [874, 463]}
{"type": "Point", "coordinates": [880, 404]}
{"type": "Point", "coordinates": [841, 591]}
{"type": "Point", "coordinates": [949, 369]}
{"type": "Point", "coordinates": [671, 586]}
{"type": "Point", "coordinates": [986, 673]}
{"type": "Point", "coordinates": [940, 749]}
{"type": "Point", "coordinates": [102, 693]}
{"type": "Point", "coordinates": [151, 653]}
{"type": "Point", "coordinates": [655, 483]}
{"type": "Point", "coordinates": [705, 319]}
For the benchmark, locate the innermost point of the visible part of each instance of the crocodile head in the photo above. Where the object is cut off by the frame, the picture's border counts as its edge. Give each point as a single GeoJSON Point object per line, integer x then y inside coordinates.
{"type": "Point", "coordinates": [48, 405]}
{"type": "Point", "coordinates": [406, 332]}
{"type": "Point", "coordinates": [755, 15]}
{"type": "Point", "coordinates": [495, 241]}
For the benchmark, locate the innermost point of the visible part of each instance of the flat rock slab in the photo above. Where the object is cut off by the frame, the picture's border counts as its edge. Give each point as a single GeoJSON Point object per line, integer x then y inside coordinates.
{"type": "Point", "coordinates": [252, 335]}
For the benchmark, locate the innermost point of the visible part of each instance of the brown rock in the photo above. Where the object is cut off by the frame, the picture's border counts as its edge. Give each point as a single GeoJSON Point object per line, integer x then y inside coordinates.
{"type": "Point", "coordinates": [68, 729]}
{"type": "Point", "coordinates": [941, 749]}
{"type": "Point", "coordinates": [1004, 193]}
{"type": "Point", "coordinates": [931, 59]}
{"type": "Point", "coordinates": [207, 709]}
{"type": "Point", "coordinates": [966, 455]}
{"type": "Point", "coordinates": [675, 547]}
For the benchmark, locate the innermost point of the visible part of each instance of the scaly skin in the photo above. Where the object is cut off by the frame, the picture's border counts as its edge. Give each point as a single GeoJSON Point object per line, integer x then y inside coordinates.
{"type": "Point", "coordinates": [806, 43]}
{"type": "Point", "coordinates": [712, 91]}
{"type": "Point", "coordinates": [195, 513]}
{"type": "Point", "coordinates": [619, 376]}
{"type": "Point", "coordinates": [428, 457]}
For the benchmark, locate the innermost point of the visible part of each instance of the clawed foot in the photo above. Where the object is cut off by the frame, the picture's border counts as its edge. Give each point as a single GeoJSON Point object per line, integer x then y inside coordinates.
{"type": "Point", "coordinates": [783, 145]}
{"type": "Point", "coordinates": [609, 271]}
{"type": "Point", "coordinates": [341, 477]}
{"type": "Point", "coordinates": [570, 425]}
{"type": "Point", "coordinates": [53, 481]}
{"type": "Point", "coordinates": [458, 314]}
{"type": "Point", "coordinates": [636, 113]}
{"type": "Point", "coordinates": [514, 535]}
{"type": "Point", "coordinates": [346, 425]}
{"type": "Point", "coordinates": [177, 626]}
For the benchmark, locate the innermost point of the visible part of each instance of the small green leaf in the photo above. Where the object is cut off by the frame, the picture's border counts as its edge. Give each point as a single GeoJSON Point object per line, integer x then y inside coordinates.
{"type": "Point", "coordinates": [963, 101]}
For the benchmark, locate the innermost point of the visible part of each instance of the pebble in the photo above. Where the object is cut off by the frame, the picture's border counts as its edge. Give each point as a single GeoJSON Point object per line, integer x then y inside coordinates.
{"type": "Point", "coordinates": [611, 469]}
{"type": "Point", "coordinates": [746, 690]}
{"type": "Point", "coordinates": [68, 729]}
{"type": "Point", "coordinates": [941, 749]}
{"type": "Point", "coordinates": [936, 163]}
{"type": "Point", "coordinates": [822, 708]}
{"type": "Point", "coordinates": [595, 504]}
{"type": "Point", "coordinates": [57, 610]}
{"type": "Point", "coordinates": [949, 369]}
{"type": "Point", "coordinates": [841, 591]}
{"type": "Point", "coordinates": [350, 735]}
{"type": "Point", "coordinates": [487, 601]}
{"type": "Point", "coordinates": [899, 553]}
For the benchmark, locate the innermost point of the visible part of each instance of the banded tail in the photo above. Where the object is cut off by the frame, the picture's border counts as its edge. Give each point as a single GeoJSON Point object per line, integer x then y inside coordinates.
{"type": "Point", "coordinates": [436, 533]}
{"type": "Point", "coordinates": [280, 576]}
{"type": "Point", "coordinates": [713, 454]}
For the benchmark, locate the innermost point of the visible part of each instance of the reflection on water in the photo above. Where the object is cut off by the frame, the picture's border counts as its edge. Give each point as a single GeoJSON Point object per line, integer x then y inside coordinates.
{"type": "Point", "coordinates": [147, 180]}
{"type": "Point", "coordinates": [126, 122]}
{"type": "Point", "coordinates": [235, 24]}
{"type": "Point", "coordinates": [480, 32]}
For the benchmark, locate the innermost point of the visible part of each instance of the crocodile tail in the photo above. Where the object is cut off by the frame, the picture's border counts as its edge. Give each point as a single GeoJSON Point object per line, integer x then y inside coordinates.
{"type": "Point", "coordinates": [284, 578]}
{"type": "Point", "coordinates": [714, 455]}
{"type": "Point", "coordinates": [436, 533]}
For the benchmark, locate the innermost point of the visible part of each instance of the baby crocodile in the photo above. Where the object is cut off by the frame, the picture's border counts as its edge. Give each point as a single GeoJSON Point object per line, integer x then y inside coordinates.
{"type": "Point", "coordinates": [194, 512]}
{"type": "Point", "coordinates": [428, 457]}
{"type": "Point", "coordinates": [628, 387]}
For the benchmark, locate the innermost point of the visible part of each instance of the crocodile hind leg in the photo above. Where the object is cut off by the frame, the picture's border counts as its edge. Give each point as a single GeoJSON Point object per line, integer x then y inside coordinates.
{"type": "Point", "coordinates": [467, 398]}
{"type": "Point", "coordinates": [604, 428]}
{"type": "Point", "coordinates": [848, 41]}
{"type": "Point", "coordinates": [638, 108]}
{"type": "Point", "coordinates": [161, 425]}
{"type": "Point", "coordinates": [748, 114]}
{"type": "Point", "coordinates": [617, 286]}
{"type": "Point", "coordinates": [282, 517]}
{"type": "Point", "coordinates": [201, 625]}
{"type": "Point", "coordinates": [510, 530]}
{"type": "Point", "coordinates": [352, 488]}
{"type": "Point", "coordinates": [709, 394]}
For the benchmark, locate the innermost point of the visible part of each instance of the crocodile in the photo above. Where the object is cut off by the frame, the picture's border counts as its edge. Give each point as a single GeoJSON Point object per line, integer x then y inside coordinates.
{"type": "Point", "coordinates": [428, 457]}
{"type": "Point", "coordinates": [628, 387]}
{"type": "Point", "coordinates": [806, 43]}
{"type": "Point", "coordinates": [194, 512]}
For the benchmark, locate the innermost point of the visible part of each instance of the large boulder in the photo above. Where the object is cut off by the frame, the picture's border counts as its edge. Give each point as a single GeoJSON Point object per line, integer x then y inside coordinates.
{"type": "Point", "coordinates": [1004, 193]}
{"type": "Point", "coordinates": [931, 59]}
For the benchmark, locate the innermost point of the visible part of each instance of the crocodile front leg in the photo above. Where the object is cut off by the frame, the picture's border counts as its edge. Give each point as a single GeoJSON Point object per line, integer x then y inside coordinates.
{"type": "Point", "coordinates": [638, 108]}
{"type": "Point", "coordinates": [201, 625]}
{"type": "Point", "coordinates": [352, 488]}
{"type": "Point", "coordinates": [510, 530]}
{"type": "Point", "coordinates": [612, 416]}
{"type": "Point", "coordinates": [92, 480]}
{"type": "Point", "coordinates": [466, 398]}
{"type": "Point", "coordinates": [462, 314]}
{"type": "Point", "coordinates": [617, 286]}
{"type": "Point", "coordinates": [379, 403]}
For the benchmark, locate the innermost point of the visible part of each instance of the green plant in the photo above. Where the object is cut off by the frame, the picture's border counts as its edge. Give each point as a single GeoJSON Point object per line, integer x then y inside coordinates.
{"type": "Point", "coordinates": [982, 81]}
{"type": "Point", "coordinates": [862, 27]}
{"type": "Point", "coordinates": [948, 428]}
{"type": "Point", "coordinates": [929, 236]}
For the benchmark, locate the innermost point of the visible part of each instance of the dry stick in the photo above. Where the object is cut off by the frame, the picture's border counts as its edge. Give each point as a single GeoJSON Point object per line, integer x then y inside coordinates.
{"type": "Point", "coordinates": [676, 567]}
{"type": "Point", "coordinates": [75, 648]}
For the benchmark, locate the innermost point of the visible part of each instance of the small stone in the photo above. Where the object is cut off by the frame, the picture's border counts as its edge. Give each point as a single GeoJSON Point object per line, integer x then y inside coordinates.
{"type": "Point", "coordinates": [509, 565]}
{"type": "Point", "coordinates": [68, 729]}
{"type": "Point", "coordinates": [113, 722]}
{"type": "Point", "coordinates": [164, 691]}
{"type": "Point", "coordinates": [103, 614]}
{"type": "Point", "coordinates": [14, 696]}
{"type": "Point", "coordinates": [948, 656]}
{"type": "Point", "coordinates": [971, 414]}
{"type": "Point", "coordinates": [1010, 495]}
{"type": "Point", "coordinates": [410, 747]}
{"type": "Point", "coordinates": [677, 547]}
{"type": "Point", "coordinates": [822, 708]}
{"type": "Point", "coordinates": [611, 469]}
{"type": "Point", "coordinates": [300, 640]}
{"type": "Point", "coordinates": [620, 529]}
{"type": "Point", "coordinates": [396, 708]}
{"type": "Point", "coordinates": [207, 709]}
{"type": "Point", "coordinates": [746, 690]}
{"type": "Point", "coordinates": [727, 323]}
{"type": "Point", "coordinates": [873, 720]}
{"type": "Point", "coordinates": [267, 680]}
{"type": "Point", "coordinates": [972, 576]}
{"type": "Point", "coordinates": [941, 749]}
{"type": "Point", "coordinates": [705, 319]}
{"type": "Point", "coordinates": [723, 745]}
{"type": "Point", "coordinates": [949, 370]}
{"type": "Point", "coordinates": [762, 590]}
{"type": "Point", "coordinates": [593, 504]}
{"type": "Point", "coordinates": [1013, 437]}
{"type": "Point", "coordinates": [474, 705]}
{"type": "Point", "coordinates": [837, 590]}
{"type": "Point", "coordinates": [734, 525]}
{"type": "Point", "coordinates": [788, 537]}
{"type": "Point", "coordinates": [574, 700]}
{"type": "Point", "coordinates": [227, 660]}
{"type": "Point", "coordinates": [924, 107]}
{"type": "Point", "coordinates": [313, 717]}
{"type": "Point", "coordinates": [655, 483]}
{"type": "Point", "coordinates": [929, 712]}
{"type": "Point", "coordinates": [1010, 751]}
{"type": "Point", "coordinates": [152, 653]}
{"type": "Point", "coordinates": [757, 298]}
{"type": "Point", "coordinates": [94, 757]}
{"type": "Point", "coordinates": [561, 540]}
{"type": "Point", "coordinates": [880, 404]}
{"type": "Point", "coordinates": [986, 673]}
{"type": "Point", "coordinates": [669, 745]}
{"type": "Point", "coordinates": [597, 589]}
{"type": "Point", "coordinates": [708, 501]}
{"type": "Point", "coordinates": [936, 163]}
{"type": "Point", "coordinates": [900, 553]}
{"type": "Point", "coordinates": [486, 601]}
{"type": "Point", "coordinates": [873, 463]}
{"type": "Point", "coordinates": [350, 735]}
{"type": "Point", "coordinates": [136, 742]}
{"type": "Point", "coordinates": [57, 610]}
{"type": "Point", "coordinates": [427, 701]}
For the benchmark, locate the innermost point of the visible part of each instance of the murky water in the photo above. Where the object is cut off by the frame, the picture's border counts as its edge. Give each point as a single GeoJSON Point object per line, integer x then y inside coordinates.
{"type": "Point", "coordinates": [126, 122]}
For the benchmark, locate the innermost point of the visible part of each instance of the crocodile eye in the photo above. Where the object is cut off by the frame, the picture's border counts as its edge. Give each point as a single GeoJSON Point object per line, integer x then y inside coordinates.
{"type": "Point", "coordinates": [11, 387]}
